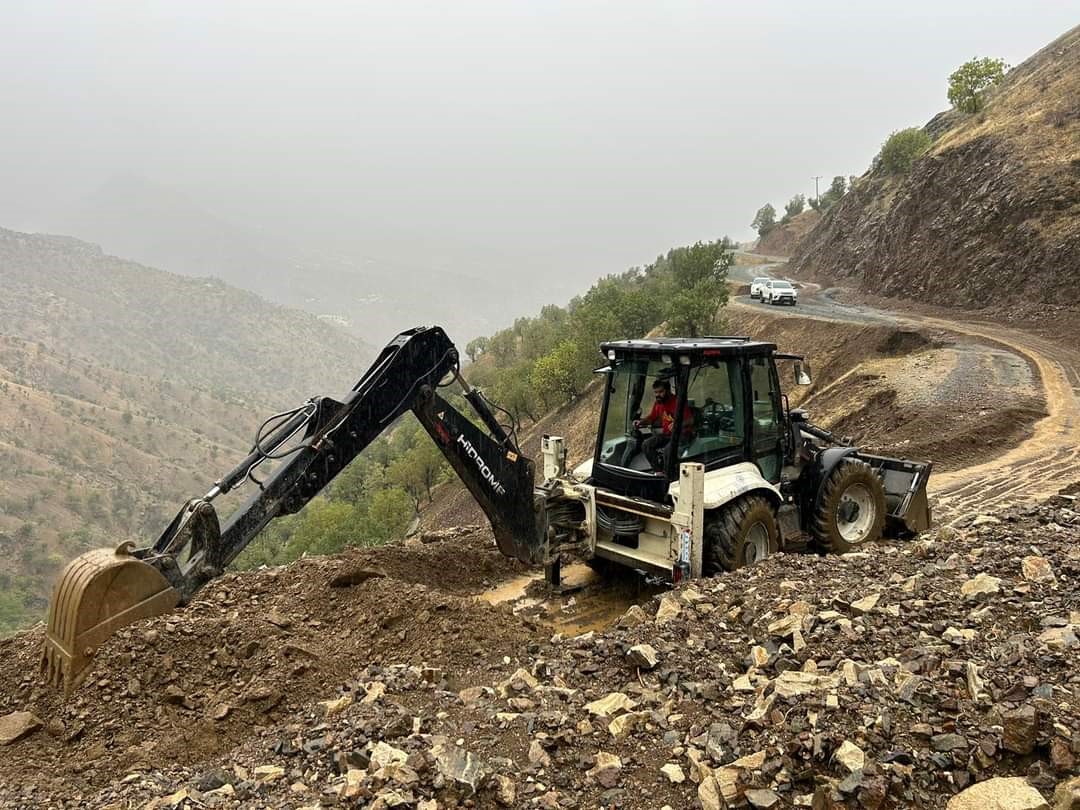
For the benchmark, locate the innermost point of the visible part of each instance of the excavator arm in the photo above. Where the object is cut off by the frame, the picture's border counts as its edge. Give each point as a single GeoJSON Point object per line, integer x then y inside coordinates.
{"type": "Point", "coordinates": [106, 589]}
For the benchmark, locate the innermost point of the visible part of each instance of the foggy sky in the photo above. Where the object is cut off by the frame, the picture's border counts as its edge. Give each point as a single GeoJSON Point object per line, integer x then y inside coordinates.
{"type": "Point", "coordinates": [577, 138]}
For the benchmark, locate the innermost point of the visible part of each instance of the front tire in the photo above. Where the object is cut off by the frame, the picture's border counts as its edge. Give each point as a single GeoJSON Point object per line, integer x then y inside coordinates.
{"type": "Point", "coordinates": [852, 508]}
{"type": "Point", "coordinates": [742, 533]}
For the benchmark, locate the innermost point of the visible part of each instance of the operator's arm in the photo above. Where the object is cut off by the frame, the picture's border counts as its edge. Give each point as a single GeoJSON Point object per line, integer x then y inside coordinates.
{"type": "Point", "coordinates": [650, 420]}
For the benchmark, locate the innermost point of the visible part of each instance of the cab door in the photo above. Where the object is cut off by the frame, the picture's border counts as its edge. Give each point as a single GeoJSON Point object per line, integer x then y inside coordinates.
{"type": "Point", "coordinates": [766, 429]}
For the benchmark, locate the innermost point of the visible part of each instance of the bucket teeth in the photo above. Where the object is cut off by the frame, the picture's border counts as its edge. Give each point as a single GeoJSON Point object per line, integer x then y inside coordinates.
{"type": "Point", "coordinates": [98, 593]}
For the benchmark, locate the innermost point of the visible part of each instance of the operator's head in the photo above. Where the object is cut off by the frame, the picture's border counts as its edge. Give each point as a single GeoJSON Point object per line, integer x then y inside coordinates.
{"type": "Point", "coordinates": [661, 390]}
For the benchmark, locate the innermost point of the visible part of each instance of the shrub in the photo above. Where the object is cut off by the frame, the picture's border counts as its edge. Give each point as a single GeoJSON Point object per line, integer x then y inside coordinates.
{"type": "Point", "coordinates": [902, 149]}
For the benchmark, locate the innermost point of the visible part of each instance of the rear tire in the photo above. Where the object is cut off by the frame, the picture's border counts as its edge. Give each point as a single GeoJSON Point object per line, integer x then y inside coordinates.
{"type": "Point", "coordinates": [852, 508]}
{"type": "Point", "coordinates": [739, 534]}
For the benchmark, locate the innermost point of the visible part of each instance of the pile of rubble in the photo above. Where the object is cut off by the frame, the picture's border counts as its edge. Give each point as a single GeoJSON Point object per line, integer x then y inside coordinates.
{"type": "Point", "coordinates": [940, 672]}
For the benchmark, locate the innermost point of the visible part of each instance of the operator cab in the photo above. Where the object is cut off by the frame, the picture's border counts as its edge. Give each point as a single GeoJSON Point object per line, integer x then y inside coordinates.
{"type": "Point", "coordinates": [728, 409]}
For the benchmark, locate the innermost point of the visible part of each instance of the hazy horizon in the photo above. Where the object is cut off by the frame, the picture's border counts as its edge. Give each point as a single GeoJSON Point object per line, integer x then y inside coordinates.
{"type": "Point", "coordinates": [566, 139]}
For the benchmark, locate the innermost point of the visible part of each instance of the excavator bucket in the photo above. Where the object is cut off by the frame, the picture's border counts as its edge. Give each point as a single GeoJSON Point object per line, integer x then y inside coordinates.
{"type": "Point", "coordinates": [98, 593]}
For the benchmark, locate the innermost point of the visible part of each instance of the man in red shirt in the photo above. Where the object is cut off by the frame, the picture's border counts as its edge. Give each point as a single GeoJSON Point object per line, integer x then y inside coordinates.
{"type": "Point", "coordinates": [663, 414]}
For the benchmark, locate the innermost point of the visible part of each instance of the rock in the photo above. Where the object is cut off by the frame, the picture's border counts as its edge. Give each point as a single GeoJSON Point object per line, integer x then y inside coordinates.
{"type": "Point", "coordinates": [948, 742]}
{"type": "Point", "coordinates": [1059, 639]}
{"type": "Point", "coordinates": [762, 798]}
{"type": "Point", "coordinates": [520, 681]}
{"type": "Point", "coordinates": [643, 655]}
{"type": "Point", "coordinates": [984, 520]}
{"type": "Point", "coordinates": [792, 683]}
{"type": "Point", "coordinates": [750, 762]}
{"type": "Point", "coordinates": [1021, 729]}
{"type": "Point", "coordinates": [1000, 793]}
{"type": "Point", "coordinates": [373, 691]}
{"type": "Point", "coordinates": [333, 707]}
{"type": "Point", "coordinates": [622, 725]}
{"type": "Point", "coordinates": [266, 774]}
{"type": "Point", "coordinates": [607, 769]}
{"type": "Point", "coordinates": [537, 754]}
{"type": "Point", "coordinates": [759, 657]}
{"type": "Point", "coordinates": [673, 773]}
{"type": "Point", "coordinates": [709, 795]}
{"type": "Point", "coordinates": [610, 705]}
{"type": "Point", "coordinates": [278, 620]}
{"type": "Point", "coordinates": [866, 604]}
{"type": "Point", "coordinates": [632, 618]}
{"type": "Point", "coordinates": [383, 755]}
{"type": "Point", "coordinates": [505, 790]}
{"type": "Point", "coordinates": [458, 765]}
{"type": "Point", "coordinates": [785, 627]}
{"type": "Point", "coordinates": [668, 610]}
{"type": "Point", "coordinates": [1067, 795]}
{"type": "Point", "coordinates": [1037, 569]}
{"type": "Point", "coordinates": [850, 756]}
{"type": "Point", "coordinates": [474, 694]}
{"type": "Point", "coordinates": [974, 682]}
{"type": "Point", "coordinates": [17, 725]}
{"type": "Point", "coordinates": [981, 585]}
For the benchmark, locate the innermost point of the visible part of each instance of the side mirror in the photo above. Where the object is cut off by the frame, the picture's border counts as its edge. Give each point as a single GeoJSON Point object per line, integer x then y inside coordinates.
{"type": "Point", "coordinates": [802, 373]}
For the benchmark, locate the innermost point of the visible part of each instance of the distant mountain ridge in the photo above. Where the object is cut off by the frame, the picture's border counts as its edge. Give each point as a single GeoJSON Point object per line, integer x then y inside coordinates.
{"type": "Point", "coordinates": [989, 216]}
{"type": "Point", "coordinates": [75, 298]}
{"type": "Point", "coordinates": [125, 390]}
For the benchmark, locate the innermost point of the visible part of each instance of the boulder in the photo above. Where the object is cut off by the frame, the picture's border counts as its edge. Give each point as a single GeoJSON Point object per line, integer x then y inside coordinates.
{"type": "Point", "coordinates": [1000, 793]}
{"type": "Point", "coordinates": [15, 726]}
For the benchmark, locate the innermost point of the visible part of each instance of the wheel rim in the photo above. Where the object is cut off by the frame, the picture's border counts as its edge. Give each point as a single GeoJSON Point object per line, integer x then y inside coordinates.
{"type": "Point", "coordinates": [757, 543]}
{"type": "Point", "coordinates": [855, 513]}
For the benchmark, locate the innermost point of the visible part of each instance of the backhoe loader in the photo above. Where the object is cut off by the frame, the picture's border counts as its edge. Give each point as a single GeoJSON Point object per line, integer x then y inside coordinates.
{"type": "Point", "coordinates": [741, 476]}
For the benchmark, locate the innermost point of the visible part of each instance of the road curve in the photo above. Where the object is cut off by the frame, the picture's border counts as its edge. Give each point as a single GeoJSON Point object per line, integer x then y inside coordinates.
{"type": "Point", "coordinates": [1038, 467]}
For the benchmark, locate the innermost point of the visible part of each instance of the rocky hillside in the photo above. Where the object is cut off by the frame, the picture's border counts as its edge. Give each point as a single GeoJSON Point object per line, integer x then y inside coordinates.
{"type": "Point", "coordinates": [991, 214]}
{"type": "Point", "coordinates": [123, 391]}
{"type": "Point", "coordinates": [895, 678]}
{"type": "Point", "coordinates": [784, 239]}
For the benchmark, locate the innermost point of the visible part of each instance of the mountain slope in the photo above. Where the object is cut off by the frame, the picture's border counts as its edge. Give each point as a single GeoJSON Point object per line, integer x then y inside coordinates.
{"type": "Point", "coordinates": [125, 390]}
{"type": "Point", "coordinates": [73, 298]}
{"type": "Point", "coordinates": [991, 214]}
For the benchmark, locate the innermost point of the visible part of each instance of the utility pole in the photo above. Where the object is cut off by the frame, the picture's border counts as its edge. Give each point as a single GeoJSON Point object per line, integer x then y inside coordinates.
{"type": "Point", "coordinates": [815, 178]}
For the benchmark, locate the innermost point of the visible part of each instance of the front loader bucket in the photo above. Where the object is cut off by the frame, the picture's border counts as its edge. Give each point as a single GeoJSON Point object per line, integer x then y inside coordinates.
{"type": "Point", "coordinates": [98, 593]}
{"type": "Point", "coordinates": [905, 493]}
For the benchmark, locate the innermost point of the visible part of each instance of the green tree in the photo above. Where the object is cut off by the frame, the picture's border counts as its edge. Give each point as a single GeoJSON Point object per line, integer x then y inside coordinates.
{"type": "Point", "coordinates": [902, 149]}
{"type": "Point", "coordinates": [795, 206]}
{"type": "Point", "coordinates": [969, 82]}
{"type": "Point", "coordinates": [390, 512]}
{"type": "Point", "coordinates": [513, 392]}
{"type": "Point", "coordinates": [476, 347]}
{"type": "Point", "coordinates": [559, 376]}
{"type": "Point", "coordinates": [832, 195]}
{"type": "Point", "coordinates": [698, 287]}
{"type": "Point", "coordinates": [764, 219]}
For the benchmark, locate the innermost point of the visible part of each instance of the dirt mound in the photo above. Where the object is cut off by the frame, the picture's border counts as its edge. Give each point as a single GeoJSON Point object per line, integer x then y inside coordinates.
{"type": "Point", "coordinates": [784, 239]}
{"type": "Point", "coordinates": [254, 648]}
{"type": "Point", "coordinates": [990, 216]}
{"type": "Point", "coordinates": [789, 683]}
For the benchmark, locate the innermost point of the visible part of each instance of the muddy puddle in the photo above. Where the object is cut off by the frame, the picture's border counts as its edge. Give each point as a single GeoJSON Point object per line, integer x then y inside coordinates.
{"type": "Point", "coordinates": [587, 601]}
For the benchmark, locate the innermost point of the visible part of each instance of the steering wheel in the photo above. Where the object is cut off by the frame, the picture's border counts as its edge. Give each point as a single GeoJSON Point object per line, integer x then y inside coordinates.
{"type": "Point", "coordinates": [720, 415]}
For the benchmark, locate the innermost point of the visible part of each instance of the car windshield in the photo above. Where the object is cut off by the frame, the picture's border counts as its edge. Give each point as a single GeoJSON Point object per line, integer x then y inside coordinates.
{"type": "Point", "coordinates": [760, 280]}
{"type": "Point", "coordinates": [781, 285]}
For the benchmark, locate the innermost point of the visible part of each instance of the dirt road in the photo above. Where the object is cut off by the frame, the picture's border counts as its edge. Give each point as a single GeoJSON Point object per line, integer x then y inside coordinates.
{"type": "Point", "coordinates": [1037, 468]}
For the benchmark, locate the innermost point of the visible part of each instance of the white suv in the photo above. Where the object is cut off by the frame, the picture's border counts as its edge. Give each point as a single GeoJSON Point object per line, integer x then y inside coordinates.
{"type": "Point", "coordinates": [757, 285]}
{"type": "Point", "coordinates": [777, 291]}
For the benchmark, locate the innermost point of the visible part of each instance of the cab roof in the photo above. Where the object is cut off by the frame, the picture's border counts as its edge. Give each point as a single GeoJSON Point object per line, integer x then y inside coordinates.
{"type": "Point", "coordinates": [695, 348]}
